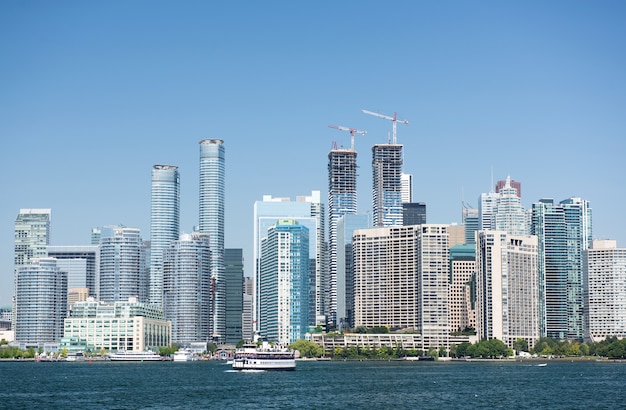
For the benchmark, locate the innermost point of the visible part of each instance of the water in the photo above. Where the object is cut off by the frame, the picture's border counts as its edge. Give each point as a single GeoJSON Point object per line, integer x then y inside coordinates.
{"type": "Point", "coordinates": [314, 385]}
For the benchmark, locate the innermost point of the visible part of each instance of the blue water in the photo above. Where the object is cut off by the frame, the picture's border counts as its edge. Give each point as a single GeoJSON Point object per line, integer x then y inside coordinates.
{"type": "Point", "coordinates": [314, 385]}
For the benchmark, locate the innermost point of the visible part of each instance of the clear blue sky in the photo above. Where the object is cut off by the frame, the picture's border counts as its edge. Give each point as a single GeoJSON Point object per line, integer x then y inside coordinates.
{"type": "Point", "coordinates": [92, 94]}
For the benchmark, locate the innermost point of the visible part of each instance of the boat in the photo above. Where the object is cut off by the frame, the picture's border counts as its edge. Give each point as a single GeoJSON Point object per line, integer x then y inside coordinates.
{"type": "Point", "coordinates": [184, 355]}
{"type": "Point", "coordinates": [130, 356]}
{"type": "Point", "coordinates": [541, 364]}
{"type": "Point", "coordinates": [264, 357]}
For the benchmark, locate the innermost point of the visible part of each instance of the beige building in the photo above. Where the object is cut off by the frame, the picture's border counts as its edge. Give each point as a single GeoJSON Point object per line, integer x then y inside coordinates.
{"type": "Point", "coordinates": [401, 280]}
{"type": "Point", "coordinates": [131, 325]}
{"type": "Point", "coordinates": [462, 269]}
{"type": "Point", "coordinates": [507, 287]}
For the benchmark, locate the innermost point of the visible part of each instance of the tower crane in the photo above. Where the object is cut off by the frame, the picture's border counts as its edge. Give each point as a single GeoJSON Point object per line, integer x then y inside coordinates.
{"type": "Point", "coordinates": [352, 132]}
{"type": "Point", "coordinates": [394, 119]}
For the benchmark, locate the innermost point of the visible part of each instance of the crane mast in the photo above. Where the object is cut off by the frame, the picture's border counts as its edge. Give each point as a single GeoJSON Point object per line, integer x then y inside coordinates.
{"type": "Point", "coordinates": [393, 119]}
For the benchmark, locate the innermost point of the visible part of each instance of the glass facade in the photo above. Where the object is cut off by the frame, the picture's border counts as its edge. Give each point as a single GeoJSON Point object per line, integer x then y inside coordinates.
{"type": "Point", "coordinates": [212, 205]}
{"type": "Point", "coordinates": [164, 223]}
{"type": "Point", "coordinates": [387, 184]}
{"type": "Point", "coordinates": [233, 273]}
{"type": "Point", "coordinates": [81, 263]}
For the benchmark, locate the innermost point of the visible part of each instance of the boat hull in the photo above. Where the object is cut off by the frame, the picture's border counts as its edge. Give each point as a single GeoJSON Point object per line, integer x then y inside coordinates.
{"type": "Point", "coordinates": [261, 364]}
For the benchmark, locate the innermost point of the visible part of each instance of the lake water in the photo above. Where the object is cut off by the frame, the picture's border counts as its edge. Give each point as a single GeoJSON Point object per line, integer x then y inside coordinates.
{"type": "Point", "coordinates": [314, 385]}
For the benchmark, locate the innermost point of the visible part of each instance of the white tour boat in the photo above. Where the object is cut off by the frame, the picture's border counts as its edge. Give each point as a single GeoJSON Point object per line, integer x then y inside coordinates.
{"type": "Point", "coordinates": [264, 357]}
{"type": "Point", "coordinates": [130, 356]}
{"type": "Point", "coordinates": [184, 355]}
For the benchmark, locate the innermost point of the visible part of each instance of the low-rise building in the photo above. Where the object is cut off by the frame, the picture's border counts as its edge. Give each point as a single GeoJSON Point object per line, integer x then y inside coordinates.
{"type": "Point", "coordinates": [131, 325]}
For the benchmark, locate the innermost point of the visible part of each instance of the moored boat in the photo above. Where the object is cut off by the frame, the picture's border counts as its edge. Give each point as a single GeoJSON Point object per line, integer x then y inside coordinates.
{"type": "Point", "coordinates": [130, 356]}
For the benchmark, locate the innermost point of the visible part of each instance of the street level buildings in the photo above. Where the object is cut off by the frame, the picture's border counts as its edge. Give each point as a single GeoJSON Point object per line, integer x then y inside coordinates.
{"type": "Point", "coordinates": [604, 290]}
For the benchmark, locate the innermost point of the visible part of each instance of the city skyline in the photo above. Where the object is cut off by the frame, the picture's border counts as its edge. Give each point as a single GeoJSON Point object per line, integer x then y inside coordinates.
{"type": "Point", "coordinates": [532, 90]}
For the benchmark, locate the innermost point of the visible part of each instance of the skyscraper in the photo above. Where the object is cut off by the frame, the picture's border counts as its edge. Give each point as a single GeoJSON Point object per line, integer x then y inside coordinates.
{"type": "Point", "coordinates": [471, 222]}
{"type": "Point", "coordinates": [407, 188]}
{"type": "Point", "coordinates": [123, 272]}
{"type": "Point", "coordinates": [164, 223]}
{"type": "Point", "coordinates": [508, 212]}
{"type": "Point", "coordinates": [564, 232]}
{"type": "Point", "coordinates": [212, 204]}
{"type": "Point", "coordinates": [342, 200]}
{"type": "Point", "coordinates": [462, 269]}
{"type": "Point", "coordinates": [284, 282]}
{"type": "Point", "coordinates": [507, 287]}
{"type": "Point", "coordinates": [233, 274]}
{"type": "Point", "coordinates": [413, 213]}
{"type": "Point", "coordinates": [512, 183]}
{"type": "Point", "coordinates": [41, 302]}
{"type": "Point", "coordinates": [82, 264]}
{"type": "Point", "coordinates": [604, 292]}
{"type": "Point", "coordinates": [308, 211]}
{"type": "Point", "coordinates": [387, 184]}
{"type": "Point", "coordinates": [187, 287]}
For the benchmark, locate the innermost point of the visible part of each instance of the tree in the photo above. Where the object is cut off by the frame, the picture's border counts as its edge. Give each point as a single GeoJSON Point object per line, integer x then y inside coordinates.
{"type": "Point", "coordinates": [307, 348]}
{"type": "Point", "coordinates": [520, 345]}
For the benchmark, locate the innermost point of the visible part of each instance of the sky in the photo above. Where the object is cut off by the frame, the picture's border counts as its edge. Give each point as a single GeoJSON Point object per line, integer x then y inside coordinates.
{"type": "Point", "coordinates": [93, 94]}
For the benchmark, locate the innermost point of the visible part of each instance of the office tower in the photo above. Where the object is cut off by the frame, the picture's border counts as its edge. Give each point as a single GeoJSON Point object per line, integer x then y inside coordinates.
{"type": "Point", "coordinates": [284, 281]}
{"type": "Point", "coordinates": [486, 206]}
{"type": "Point", "coordinates": [346, 225]}
{"type": "Point", "coordinates": [342, 200]}
{"type": "Point", "coordinates": [247, 328]}
{"type": "Point", "coordinates": [512, 183]}
{"type": "Point", "coordinates": [407, 188]}
{"type": "Point", "coordinates": [508, 213]}
{"type": "Point", "coordinates": [401, 280]}
{"type": "Point", "coordinates": [604, 290]}
{"type": "Point", "coordinates": [96, 233]}
{"type": "Point", "coordinates": [82, 264]}
{"type": "Point", "coordinates": [470, 219]}
{"type": "Point", "coordinates": [308, 211]}
{"type": "Point", "coordinates": [413, 213]}
{"type": "Point", "coordinates": [212, 204]}
{"type": "Point", "coordinates": [387, 184]}
{"type": "Point", "coordinates": [41, 302]}
{"type": "Point", "coordinates": [564, 232]}
{"type": "Point", "coordinates": [507, 287]}
{"type": "Point", "coordinates": [164, 223]}
{"type": "Point", "coordinates": [233, 274]}
{"type": "Point", "coordinates": [123, 272]}
{"type": "Point", "coordinates": [187, 288]}
{"type": "Point", "coordinates": [462, 306]}
{"type": "Point", "coordinates": [32, 235]}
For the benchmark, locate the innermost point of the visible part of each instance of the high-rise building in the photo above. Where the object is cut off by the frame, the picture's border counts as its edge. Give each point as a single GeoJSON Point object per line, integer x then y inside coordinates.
{"type": "Point", "coordinates": [342, 200]}
{"type": "Point", "coordinates": [247, 328]}
{"type": "Point", "coordinates": [32, 235]}
{"type": "Point", "coordinates": [123, 271]}
{"type": "Point", "coordinates": [41, 302]}
{"type": "Point", "coordinates": [604, 290]}
{"type": "Point", "coordinates": [387, 184]}
{"type": "Point", "coordinates": [471, 222]}
{"type": "Point", "coordinates": [486, 207]}
{"type": "Point", "coordinates": [401, 280]}
{"type": "Point", "coordinates": [346, 225]}
{"type": "Point", "coordinates": [512, 183]}
{"type": "Point", "coordinates": [462, 301]}
{"type": "Point", "coordinates": [233, 274]}
{"type": "Point", "coordinates": [164, 223]}
{"type": "Point", "coordinates": [413, 213]}
{"type": "Point", "coordinates": [564, 232]}
{"type": "Point", "coordinates": [308, 211]}
{"type": "Point", "coordinates": [508, 212]}
{"type": "Point", "coordinates": [187, 288]}
{"type": "Point", "coordinates": [284, 296]}
{"type": "Point", "coordinates": [407, 188]}
{"type": "Point", "coordinates": [212, 205]}
{"type": "Point", "coordinates": [82, 264]}
{"type": "Point", "coordinates": [507, 287]}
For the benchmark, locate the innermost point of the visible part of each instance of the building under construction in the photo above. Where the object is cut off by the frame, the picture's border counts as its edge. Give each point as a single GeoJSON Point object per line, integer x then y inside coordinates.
{"type": "Point", "coordinates": [387, 184]}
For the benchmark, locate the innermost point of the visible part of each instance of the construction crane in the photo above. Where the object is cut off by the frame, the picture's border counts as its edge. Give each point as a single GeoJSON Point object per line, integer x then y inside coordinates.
{"type": "Point", "coordinates": [394, 119]}
{"type": "Point", "coordinates": [352, 132]}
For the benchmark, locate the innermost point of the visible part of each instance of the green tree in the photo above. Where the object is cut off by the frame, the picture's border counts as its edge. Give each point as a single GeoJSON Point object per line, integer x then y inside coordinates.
{"type": "Point", "coordinates": [520, 345]}
{"type": "Point", "coordinates": [307, 348]}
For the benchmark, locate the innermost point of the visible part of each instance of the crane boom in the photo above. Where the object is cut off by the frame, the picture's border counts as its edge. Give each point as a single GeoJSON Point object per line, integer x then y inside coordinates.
{"type": "Point", "coordinates": [393, 119]}
{"type": "Point", "coordinates": [352, 131]}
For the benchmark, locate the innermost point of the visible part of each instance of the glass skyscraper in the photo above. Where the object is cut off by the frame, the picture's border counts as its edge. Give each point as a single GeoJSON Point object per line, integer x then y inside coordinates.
{"type": "Point", "coordinates": [233, 273]}
{"type": "Point", "coordinates": [41, 302]}
{"type": "Point", "coordinates": [123, 272]}
{"type": "Point", "coordinates": [81, 263]}
{"type": "Point", "coordinates": [284, 282]}
{"type": "Point", "coordinates": [342, 200]}
{"type": "Point", "coordinates": [164, 223]}
{"type": "Point", "coordinates": [32, 235]}
{"type": "Point", "coordinates": [387, 184]}
{"type": "Point", "coordinates": [212, 203]}
{"type": "Point", "coordinates": [187, 288]}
